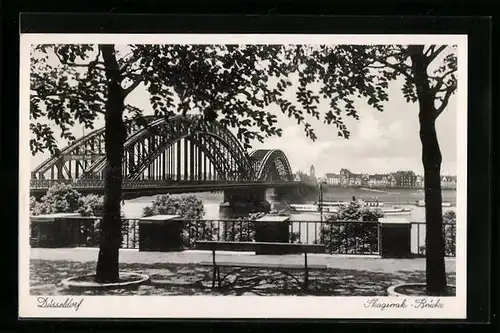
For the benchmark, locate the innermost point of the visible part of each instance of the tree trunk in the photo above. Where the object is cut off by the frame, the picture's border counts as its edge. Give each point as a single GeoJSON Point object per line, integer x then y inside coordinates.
{"type": "Point", "coordinates": [431, 159]}
{"type": "Point", "coordinates": [115, 134]}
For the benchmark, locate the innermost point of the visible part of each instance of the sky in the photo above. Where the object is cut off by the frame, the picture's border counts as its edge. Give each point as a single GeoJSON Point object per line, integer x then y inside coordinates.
{"type": "Point", "coordinates": [380, 142]}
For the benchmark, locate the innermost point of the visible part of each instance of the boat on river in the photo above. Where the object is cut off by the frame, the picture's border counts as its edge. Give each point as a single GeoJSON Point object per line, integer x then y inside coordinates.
{"type": "Point", "coordinates": [312, 208]}
{"type": "Point", "coordinates": [345, 203]}
{"type": "Point", "coordinates": [334, 208]}
{"type": "Point", "coordinates": [421, 203]}
{"type": "Point", "coordinates": [397, 211]}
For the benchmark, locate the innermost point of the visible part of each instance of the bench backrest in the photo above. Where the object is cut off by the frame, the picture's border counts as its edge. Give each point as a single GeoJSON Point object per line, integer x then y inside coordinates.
{"type": "Point", "coordinates": [260, 246]}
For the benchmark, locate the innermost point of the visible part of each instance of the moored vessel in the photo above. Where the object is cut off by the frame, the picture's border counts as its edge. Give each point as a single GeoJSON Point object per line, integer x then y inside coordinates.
{"type": "Point", "coordinates": [421, 203]}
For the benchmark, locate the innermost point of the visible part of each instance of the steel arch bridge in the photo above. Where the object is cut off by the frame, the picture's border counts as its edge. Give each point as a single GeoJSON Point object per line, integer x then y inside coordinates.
{"type": "Point", "coordinates": [178, 149]}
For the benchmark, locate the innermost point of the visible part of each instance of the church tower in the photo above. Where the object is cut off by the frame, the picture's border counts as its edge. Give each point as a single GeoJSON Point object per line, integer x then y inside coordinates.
{"type": "Point", "coordinates": [312, 174]}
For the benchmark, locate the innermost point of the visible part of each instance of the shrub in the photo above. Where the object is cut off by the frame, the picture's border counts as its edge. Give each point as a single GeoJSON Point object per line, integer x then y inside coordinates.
{"type": "Point", "coordinates": [91, 205]}
{"type": "Point", "coordinates": [355, 212]}
{"type": "Point", "coordinates": [449, 234]}
{"type": "Point", "coordinates": [351, 237]}
{"type": "Point", "coordinates": [188, 207]}
{"type": "Point", "coordinates": [36, 207]}
{"type": "Point", "coordinates": [60, 198]}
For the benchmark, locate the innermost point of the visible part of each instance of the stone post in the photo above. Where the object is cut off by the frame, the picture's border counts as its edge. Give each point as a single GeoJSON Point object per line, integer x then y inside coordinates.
{"type": "Point", "coordinates": [52, 230]}
{"type": "Point", "coordinates": [160, 233]}
{"type": "Point", "coordinates": [395, 238]}
{"type": "Point", "coordinates": [275, 229]}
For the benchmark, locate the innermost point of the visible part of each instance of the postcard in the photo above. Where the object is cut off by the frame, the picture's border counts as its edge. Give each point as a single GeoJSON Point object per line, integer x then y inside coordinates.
{"type": "Point", "coordinates": [243, 176]}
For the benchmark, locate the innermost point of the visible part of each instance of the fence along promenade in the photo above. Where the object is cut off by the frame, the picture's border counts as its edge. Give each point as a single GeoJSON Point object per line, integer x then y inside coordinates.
{"type": "Point", "coordinates": [338, 237]}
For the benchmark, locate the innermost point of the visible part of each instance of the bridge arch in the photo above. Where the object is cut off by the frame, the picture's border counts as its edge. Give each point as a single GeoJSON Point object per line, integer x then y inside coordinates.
{"type": "Point", "coordinates": [179, 148]}
{"type": "Point", "coordinates": [185, 145]}
{"type": "Point", "coordinates": [270, 163]}
{"type": "Point", "coordinates": [83, 152]}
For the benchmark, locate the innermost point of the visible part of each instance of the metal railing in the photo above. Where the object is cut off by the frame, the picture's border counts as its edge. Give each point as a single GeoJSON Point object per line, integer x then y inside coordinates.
{"type": "Point", "coordinates": [418, 230]}
{"type": "Point", "coordinates": [338, 237]}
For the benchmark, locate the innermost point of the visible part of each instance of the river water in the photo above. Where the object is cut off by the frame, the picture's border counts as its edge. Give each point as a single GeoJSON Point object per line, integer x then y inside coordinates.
{"type": "Point", "coordinates": [211, 201]}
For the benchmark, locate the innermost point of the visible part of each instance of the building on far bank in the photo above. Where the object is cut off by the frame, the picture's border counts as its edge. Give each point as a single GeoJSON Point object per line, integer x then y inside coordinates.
{"type": "Point", "coordinates": [405, 178]}
{"type": "Point", "coordinates": [347, 178]}
{"type": "Point", "coordinates": [448, 182]}
{"type": "Point", "coordinates": [401, 178]}
{"type": "Point", "coordinates": [419, 181]}
{"type": "Point", "coordinates": [378, 180]}
{"type": "Point", "coordinates": [391, 180]}
{"type": "Point", "coordinates": [332, 179]}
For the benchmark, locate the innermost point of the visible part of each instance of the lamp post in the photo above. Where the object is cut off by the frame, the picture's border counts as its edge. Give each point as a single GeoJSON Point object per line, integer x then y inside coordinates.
{"type": "Point", "coordinates": [321, 202]}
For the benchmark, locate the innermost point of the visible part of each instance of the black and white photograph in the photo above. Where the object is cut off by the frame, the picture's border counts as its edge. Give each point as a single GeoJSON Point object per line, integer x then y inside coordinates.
{"type": "Point", "coordinates": [200, 175]}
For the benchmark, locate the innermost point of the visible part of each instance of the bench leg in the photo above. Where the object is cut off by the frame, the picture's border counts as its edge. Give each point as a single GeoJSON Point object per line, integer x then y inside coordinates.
{"type": "Point", "coordinates": [214, 276]}
{"type": "Point", "coordinates": [218, 277]}
{"type": "Point", "coordinates": [306, 273]}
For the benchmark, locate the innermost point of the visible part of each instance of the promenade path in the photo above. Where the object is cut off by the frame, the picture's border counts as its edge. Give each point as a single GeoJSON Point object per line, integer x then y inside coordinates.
{"type": "Point", "coordinates": [177, 273]}
{"type": "Point", "coordinates": [368, 263]}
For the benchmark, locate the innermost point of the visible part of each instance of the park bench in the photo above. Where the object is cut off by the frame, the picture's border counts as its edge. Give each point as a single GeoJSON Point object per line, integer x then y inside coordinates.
{"type": "Point", "coordinates": [267, 247]}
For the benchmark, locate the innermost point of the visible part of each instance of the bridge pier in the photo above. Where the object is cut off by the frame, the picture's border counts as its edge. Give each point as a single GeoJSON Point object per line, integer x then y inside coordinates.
{"type": "Point", "coordinates": [241, 202]}
{"type": "Point", "coordinates": [276, 197]}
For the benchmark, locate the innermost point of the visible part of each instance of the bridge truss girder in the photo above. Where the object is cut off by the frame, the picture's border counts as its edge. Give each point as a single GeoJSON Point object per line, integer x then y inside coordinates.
{"type": "Point", "coordinates": [179, 148]}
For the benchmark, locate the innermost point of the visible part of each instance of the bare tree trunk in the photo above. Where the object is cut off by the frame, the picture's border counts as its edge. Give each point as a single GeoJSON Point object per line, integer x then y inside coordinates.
{"type": "Point", "coordinates": [115, 134]}
{"type": "Point", "coordinates": [431, 159]}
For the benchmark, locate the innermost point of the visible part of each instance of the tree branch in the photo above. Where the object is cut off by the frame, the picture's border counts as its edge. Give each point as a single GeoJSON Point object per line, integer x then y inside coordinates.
{"type": "Point", "coordinates": [65, 95]}
{"type": "Point", "coordinates": [127, 63]}
{"type": "Point", "coordinates": [131, 87]}
{"type": "Point", "coordinates": [440, 80]}
{"type": "Point", "coordinates": [444, 102]}
{"type": "Point", "coordinates": [384, 61]}
{"type": "Point", "coordinates": [434, 54]}
{"type": "Point", "coordinates": [430, 49]}
{"type": "Point", "coordinates": [399, 69]}
{"type": "Point", "coordinates": [94, 62]}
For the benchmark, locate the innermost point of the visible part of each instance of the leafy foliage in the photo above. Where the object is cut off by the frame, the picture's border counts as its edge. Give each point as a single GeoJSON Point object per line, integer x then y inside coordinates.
{"type": "Point", "coordinates": [450, 217]}
{"type": "Point", "coordinates": [234, 84]}
{"type": "Point", "coordinates": [229, 83]}
{"type": "Point", "coordinates": [342, 73]}
{"type": "Point", "coordinates": [60, 198]}
{"type": "Point", "coordinates": [186, 206]}
{"type": "Point", "coordinates": [91, 205]}
{"type": "Point", "coordinates": [449, 232]}
{"type": "Point", "coordinates": [354, 211]}
{"type": "Point", "coordinates": [350, 232]}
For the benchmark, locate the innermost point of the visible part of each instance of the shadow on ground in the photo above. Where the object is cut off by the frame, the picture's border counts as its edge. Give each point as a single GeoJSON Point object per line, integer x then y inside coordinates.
{"type": "Point", "coordinates": [192, 279]}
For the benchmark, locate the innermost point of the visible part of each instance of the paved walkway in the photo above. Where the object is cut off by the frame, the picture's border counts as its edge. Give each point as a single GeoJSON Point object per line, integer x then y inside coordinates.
{"type": "Point", "coordinates": [365, 263]}
{"type": "Point", "coordinates": [178, 273]}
